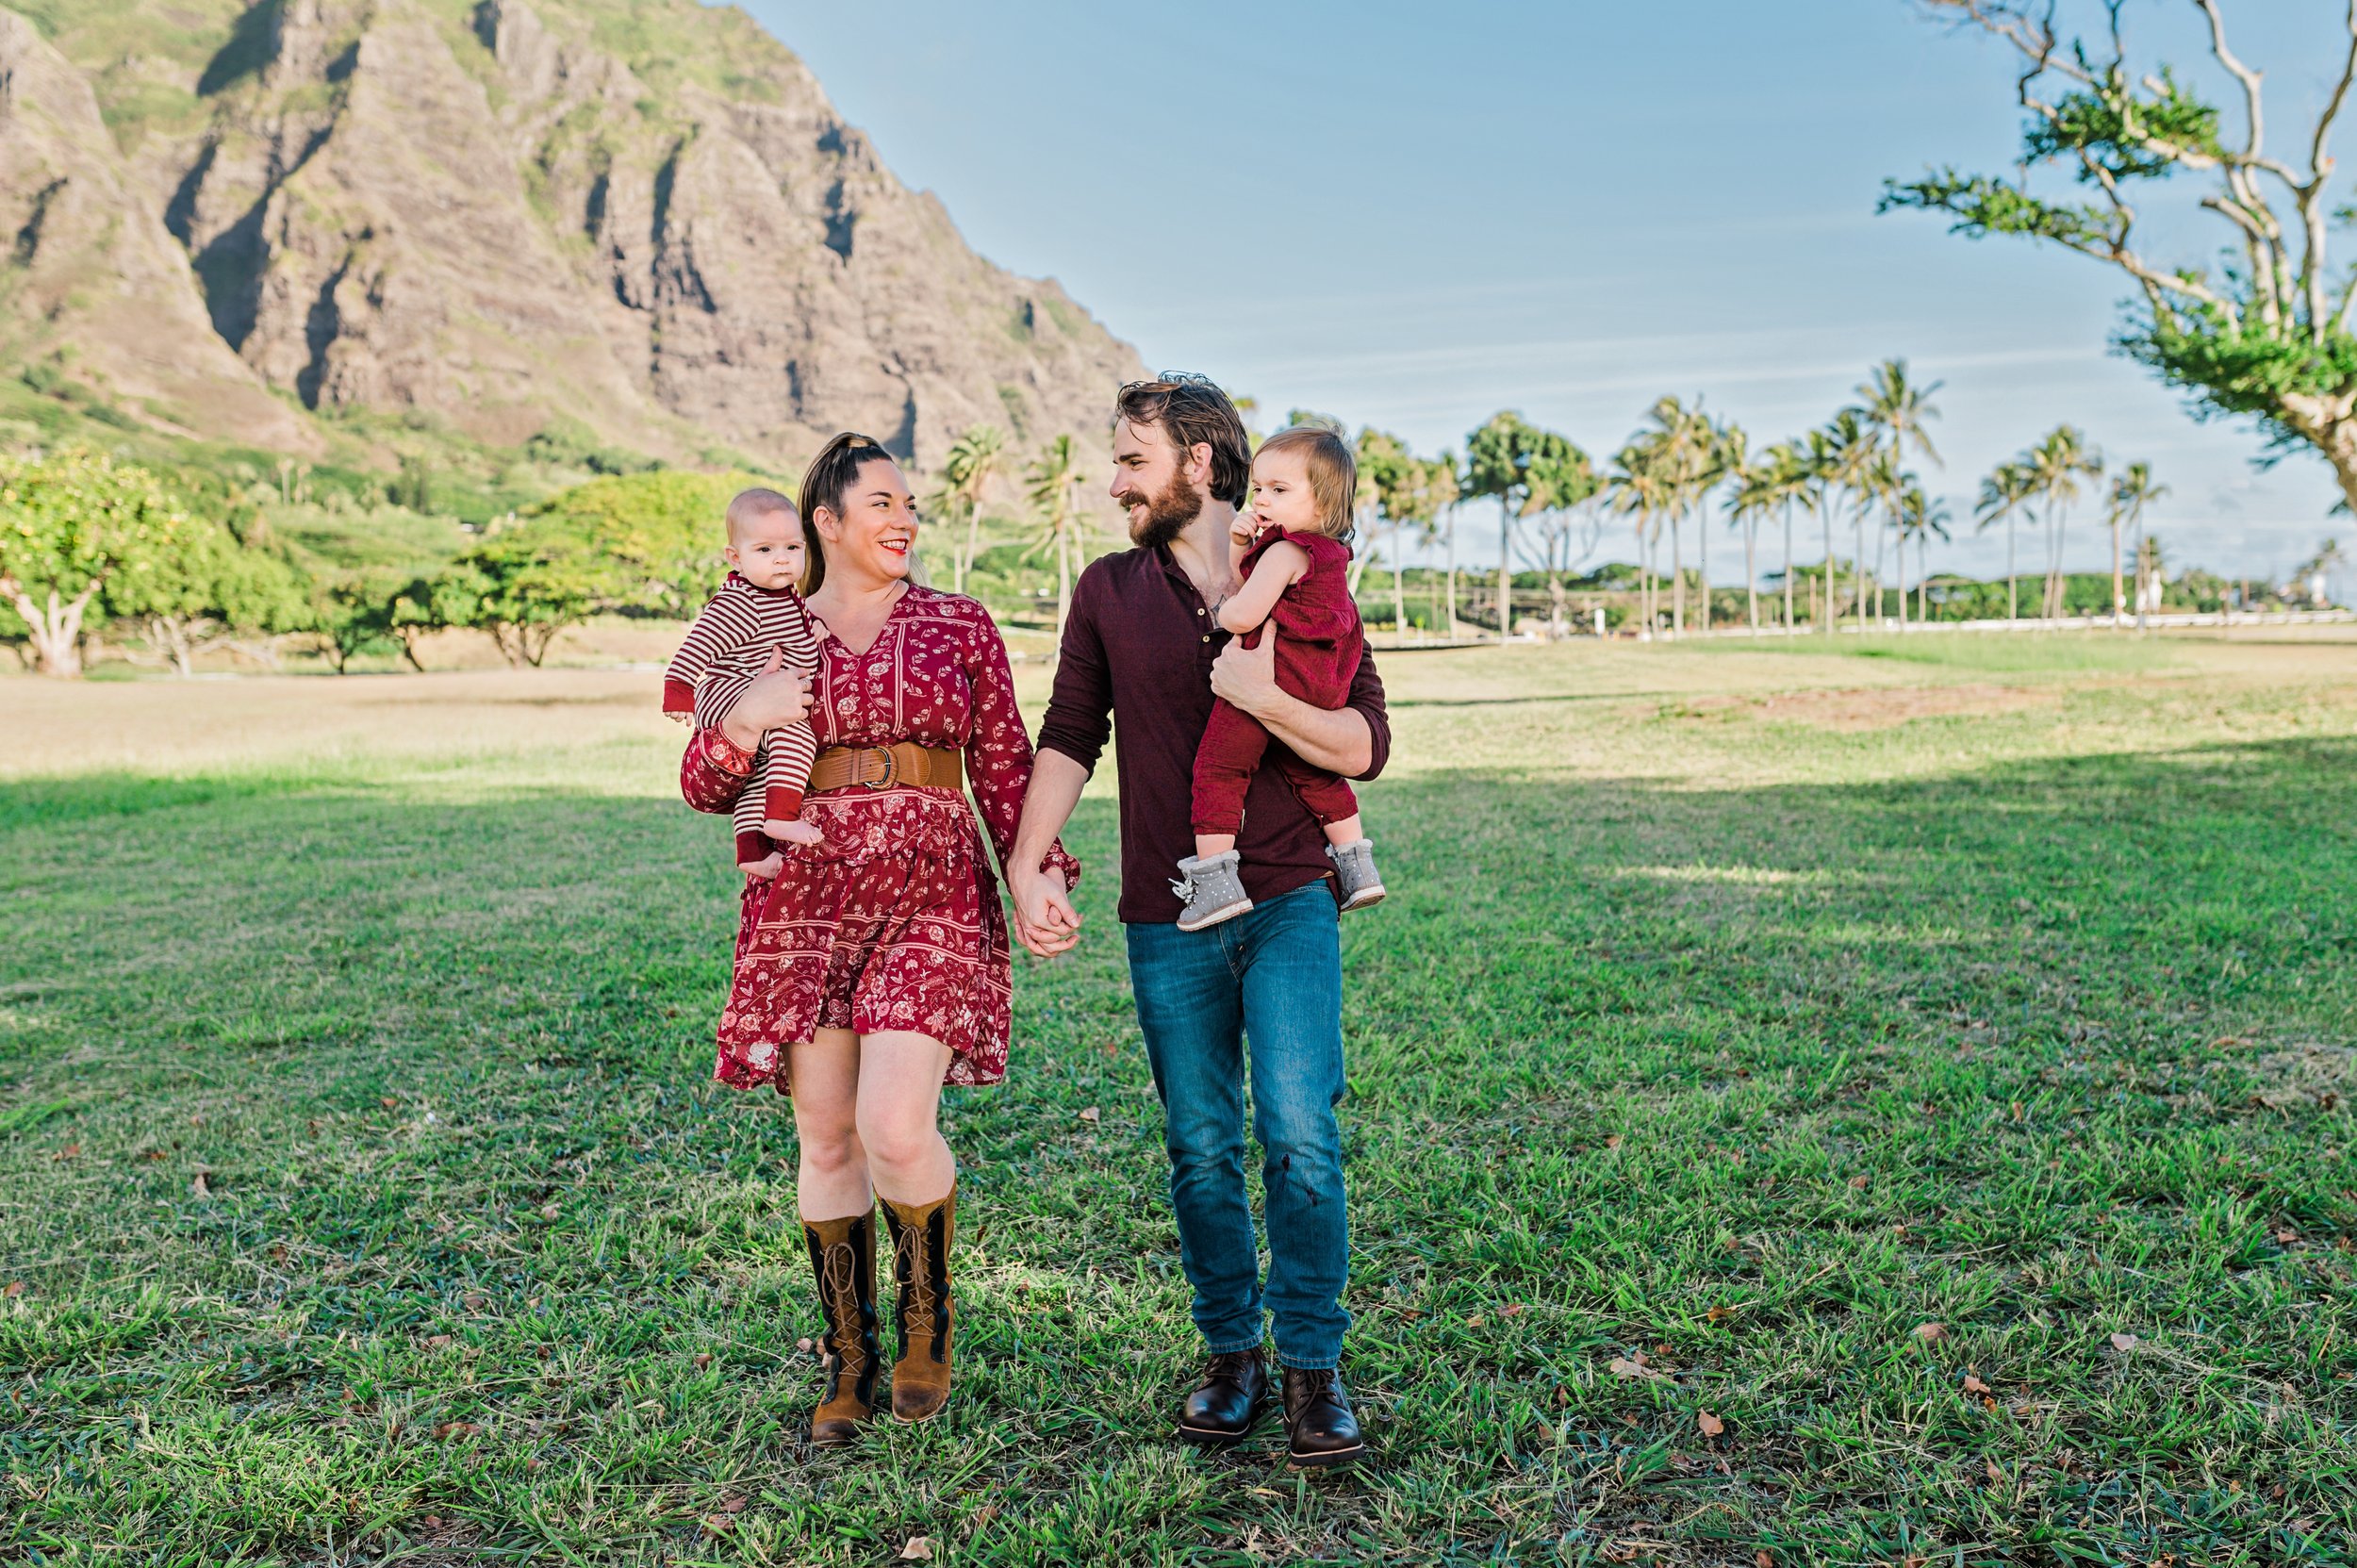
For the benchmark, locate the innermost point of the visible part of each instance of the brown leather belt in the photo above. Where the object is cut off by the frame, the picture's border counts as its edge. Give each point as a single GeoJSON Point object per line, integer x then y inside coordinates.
{"type": "Point", "coordinates": [883, 767]}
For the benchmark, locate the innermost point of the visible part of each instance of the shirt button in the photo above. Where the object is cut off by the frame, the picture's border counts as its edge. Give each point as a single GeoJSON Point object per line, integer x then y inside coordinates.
{"type": "Point", "coordinates": [1206, 639]}
{"type": "Point", "coordinates": [1198, 612]}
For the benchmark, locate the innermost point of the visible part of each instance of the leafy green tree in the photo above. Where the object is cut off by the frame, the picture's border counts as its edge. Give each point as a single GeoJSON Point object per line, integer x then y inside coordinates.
{"type": "Point", "coordinates": [1497, 463]}
{"type": "Point", "coordinates": [1054, 483]}
{"type": "Point", "coordinates": [658, 537]}
{"type": "Point", "coordinates": [1561, 482]}
{"type": "Point", "coordinates": [2265, 335]}
{"type": "Point", "coordinates": [965, 475]}
{"type": "Point", "coordinates": [74, 525]}
{"type": "Point", "coordinates": [218, 594]}
{"type": "Point", "coordinates": [523, 585]}
{"type": "Point", "coordinates": [2132, 493]}
{"type": "Point", "coordinates": [1444, 482]}
{"type": "Point", "coordinates": [1398, 483]}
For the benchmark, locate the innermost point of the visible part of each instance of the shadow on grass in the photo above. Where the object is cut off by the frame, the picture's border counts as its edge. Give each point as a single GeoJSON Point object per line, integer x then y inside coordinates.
{"type": "Point", "coordinates": [410, 1093]}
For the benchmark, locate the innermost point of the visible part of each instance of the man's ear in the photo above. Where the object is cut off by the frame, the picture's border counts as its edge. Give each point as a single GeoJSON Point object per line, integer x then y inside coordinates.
{"type": "Point", "coordinates": [1198, 469]}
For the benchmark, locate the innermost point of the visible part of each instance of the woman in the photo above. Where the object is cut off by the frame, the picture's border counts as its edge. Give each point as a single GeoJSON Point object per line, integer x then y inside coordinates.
{"type": "Point", "coordinates": [875, 967]}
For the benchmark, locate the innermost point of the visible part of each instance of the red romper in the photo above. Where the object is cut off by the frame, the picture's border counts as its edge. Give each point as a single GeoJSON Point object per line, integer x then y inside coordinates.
{"type": "Point", "coordinates": [894, 923]}
{"type": "Point", "coordinates": [1318, 644]}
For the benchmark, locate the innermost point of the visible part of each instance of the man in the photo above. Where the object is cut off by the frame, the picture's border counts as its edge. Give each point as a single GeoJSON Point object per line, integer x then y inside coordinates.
{"type": "Point", "coordinates": [1142, 644]}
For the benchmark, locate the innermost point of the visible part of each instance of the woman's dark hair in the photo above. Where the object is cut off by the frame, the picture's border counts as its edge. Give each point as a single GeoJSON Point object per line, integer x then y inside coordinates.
{"type": "Point", "coordinates": [829, 478]}
{"type": "Point", "coordinates": [1193, 411]}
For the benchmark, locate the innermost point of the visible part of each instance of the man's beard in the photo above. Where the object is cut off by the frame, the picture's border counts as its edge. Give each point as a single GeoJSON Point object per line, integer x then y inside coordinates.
{"type": "Point", "coordinates": [1166, 515]}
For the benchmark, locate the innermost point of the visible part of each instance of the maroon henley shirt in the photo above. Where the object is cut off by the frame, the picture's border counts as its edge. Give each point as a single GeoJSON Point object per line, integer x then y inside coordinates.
{"type": "Point", "coordinates": [1138, 644]}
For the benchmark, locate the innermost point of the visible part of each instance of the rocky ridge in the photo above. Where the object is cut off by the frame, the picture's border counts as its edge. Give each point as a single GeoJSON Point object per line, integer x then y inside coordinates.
{"type": "Point", "coordinates": [639, 214]}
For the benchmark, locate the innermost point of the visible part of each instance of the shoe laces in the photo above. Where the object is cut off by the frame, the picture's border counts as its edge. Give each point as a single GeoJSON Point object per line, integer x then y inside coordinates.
{"type": "Point", "coordinates": [916, 1316]}
{"type": "Point", "coordinates": [848, 1344]}
{"type": "Point", "coordinates": [1228, 1363]}
{"type": "Point", "coordinates": [1182, 888]}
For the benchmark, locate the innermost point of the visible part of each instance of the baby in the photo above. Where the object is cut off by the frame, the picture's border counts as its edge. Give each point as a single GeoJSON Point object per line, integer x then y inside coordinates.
{"type": "Point", "coordinates": [1292, 554]}
{"type": "Point", "coordinates": [758, 608]}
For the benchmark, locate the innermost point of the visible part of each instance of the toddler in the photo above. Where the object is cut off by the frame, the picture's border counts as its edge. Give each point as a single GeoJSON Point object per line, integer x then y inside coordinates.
{"type": "Point", "coordinates": [1292, 554]}
{"type": "Point", "coordinates": [758, 608]}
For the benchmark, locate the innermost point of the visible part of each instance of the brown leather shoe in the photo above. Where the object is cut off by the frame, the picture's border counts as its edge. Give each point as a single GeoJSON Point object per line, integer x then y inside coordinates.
{"type": "Point", "coordinates": [1225, 1402]}
{"type": "Point", "coordinates": [843, 1258]}
{"type": "Point", "coordinates": [921, 1234]}
{"type": "Point", "coordinates": [1321, 1434]}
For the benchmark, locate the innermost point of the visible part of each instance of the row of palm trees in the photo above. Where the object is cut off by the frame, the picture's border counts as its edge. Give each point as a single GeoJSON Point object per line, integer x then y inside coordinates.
{"type": "Point", "coordinates": [1666, 478]}
{"type": "Point", "coordinates": [1554, 502]}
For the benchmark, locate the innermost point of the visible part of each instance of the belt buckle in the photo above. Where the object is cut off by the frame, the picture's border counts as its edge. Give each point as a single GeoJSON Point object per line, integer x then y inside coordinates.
{"type": "Point", "coordinates": [891, 771]}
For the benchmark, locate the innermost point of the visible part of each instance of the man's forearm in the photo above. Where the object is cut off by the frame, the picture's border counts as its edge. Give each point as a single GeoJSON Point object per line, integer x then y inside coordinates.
{"type": "Point", "coordinates": [1336, 739]}
{"type": "Point", "coordinates": [1055, 789]}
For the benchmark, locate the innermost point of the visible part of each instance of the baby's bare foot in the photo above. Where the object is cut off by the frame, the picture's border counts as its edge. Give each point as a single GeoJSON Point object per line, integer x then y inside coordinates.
{"type": "Point", "coordinates": [766, 869]}
{"type": "Point", "coordinates": [795, 832]}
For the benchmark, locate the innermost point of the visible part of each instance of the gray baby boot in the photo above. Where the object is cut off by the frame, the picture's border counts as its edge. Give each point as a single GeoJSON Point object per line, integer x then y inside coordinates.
{"type": "Point", "coordinates": [1354, 871]}
{"type": "Point", "coordinates": [1212, 890]}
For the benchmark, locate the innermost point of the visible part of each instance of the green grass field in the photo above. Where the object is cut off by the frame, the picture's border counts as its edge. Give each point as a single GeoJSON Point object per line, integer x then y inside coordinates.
{"type": "Point", "coordinates": [1806, 1107]}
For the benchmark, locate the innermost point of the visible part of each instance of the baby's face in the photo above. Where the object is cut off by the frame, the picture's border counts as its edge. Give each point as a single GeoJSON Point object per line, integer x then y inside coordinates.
{"type": "Point", "coordinates": [769, 552]}
{"type": "Point", "coordinates": [1281, 493]}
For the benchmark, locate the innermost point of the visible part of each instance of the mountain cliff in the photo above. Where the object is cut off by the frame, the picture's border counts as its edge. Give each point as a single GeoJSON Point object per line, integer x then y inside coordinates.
{"type": "Point", "coordinates": [642, 215]}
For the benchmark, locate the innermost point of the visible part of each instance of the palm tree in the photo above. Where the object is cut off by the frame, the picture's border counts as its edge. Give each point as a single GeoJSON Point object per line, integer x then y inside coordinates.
{"type": "Point", "coordinates": [1822, 461]}
{"type": "Point", "coordinates": [2132, 493]}
{"type": "Point", "coordinates": [1054, 493]}
{"type": "Point", "coordinates": [1897, 408]}
{"type": "Point", "coordinates": [1729, 448]}
{"type": "Point", "coordinates": [1639, 486]}
{"type": "Point", "coordinates": [2056, 466]}
{"type": "Point", "coordinates": [1850, 449]}
{"type": "Point", "coordinates": [972, 463]}
{"type": "Point", "coordinates": [1879, 486]}
{"type": "Point", "coordinates": [2003, 494]}
{"type": "Point", "coordinates": [1683, 443]}
{"type": "Point", "coordinates": [1787, 484]}
{"type": "Point", "coordinates": [1917, 516]}
{"type": "Point", "coordinates": [1756, 495]}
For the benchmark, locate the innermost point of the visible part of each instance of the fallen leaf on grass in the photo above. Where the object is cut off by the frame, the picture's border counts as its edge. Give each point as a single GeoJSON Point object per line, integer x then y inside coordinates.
{"type": "Point", "coordinates": [2123, 1342]}
{"type": "Point", "coordinates": [805, 1346]}
{"type": "Point", "coordinates": [387, 1101]}
{"type": "Point", "coordinates": [1994, 1474]}
{"type": "Point", "coordinates": [1088, 1114]}
{"type": "Point", "coordinates": [1719, 1315]}
{"type": "Point", "coordinates": [436, 1342]}
{"type": "Point", "coordinates": [1858, 1181]}
{"type": "Point", "coordinates": [154, 1154]}
{"type": "Point", "coordinates": [14, 1289]}
{"type": "Point", "coordinates": [735, 1505]}
{"type": "Point", "coordinates": [719, 1523]}
{"type": "Point", "coordinates": [1621, 1366]}
{"type": "Point", "coordinates": [1711, 1425]}
{"type": "Point", "coordinates": [919, 1549]}
{"type": "Point", "coordinates": [1612, 1140]}
{"type": "Point", "coordinates": [1512, 1308]}
{"type": "Point", "coordinates": [703, 1358]}
{"type": "Point", "coordinates": [449, 1429]}
{"type": "Point", "coordinates": [70, 1151]}
{"type": "Point", "coordinates": [2287, 1236]}
{"type": "Point", "coordinates": [200, 1187]}
{"type": "Point", "coordinates": [1931, 1333]}
{"type": "Point", "coordinates": [1764, 1558]}
{"type": "Point", "coordinates": [1972, 1384]}
{"type": "Point", "coordinates": [472, 1303]}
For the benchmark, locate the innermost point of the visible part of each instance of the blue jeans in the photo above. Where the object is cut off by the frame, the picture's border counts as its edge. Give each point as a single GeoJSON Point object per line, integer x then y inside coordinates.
{"type": "Point", "coordinates": [1273, 977]}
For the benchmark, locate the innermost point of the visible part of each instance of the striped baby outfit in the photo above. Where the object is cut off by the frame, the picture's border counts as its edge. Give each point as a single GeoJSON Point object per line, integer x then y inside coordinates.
{"type": "Point", "coordinates": [721, 653]}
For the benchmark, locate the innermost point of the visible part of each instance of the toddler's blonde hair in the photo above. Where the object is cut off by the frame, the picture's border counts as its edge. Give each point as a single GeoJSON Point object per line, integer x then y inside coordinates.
{"type": "Point", "coordinates": [1333, 475]}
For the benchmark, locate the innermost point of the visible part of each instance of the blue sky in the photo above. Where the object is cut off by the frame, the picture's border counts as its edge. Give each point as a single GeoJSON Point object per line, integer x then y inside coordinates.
{"type": "Point", "coordinates": [1411, 216]}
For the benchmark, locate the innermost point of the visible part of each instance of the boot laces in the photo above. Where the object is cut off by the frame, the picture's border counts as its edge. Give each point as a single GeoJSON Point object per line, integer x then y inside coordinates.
{"type": "Point", "coordinates": [1183, 888]}
{"type": "Point", "coordinates": [848, 1344]}
{"type": "Point", "coordinates": [918, 1306]}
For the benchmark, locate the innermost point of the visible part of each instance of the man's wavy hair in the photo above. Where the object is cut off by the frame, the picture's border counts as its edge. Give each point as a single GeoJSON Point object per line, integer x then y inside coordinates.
{"type": "Point", "coordinates": [1193, 411]}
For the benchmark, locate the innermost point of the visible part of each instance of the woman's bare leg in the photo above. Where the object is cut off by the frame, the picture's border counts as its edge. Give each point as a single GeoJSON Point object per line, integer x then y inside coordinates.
{"type": "Point", "coordinates": [898, 1115]}
{"type": "Point", "coordinates": [832, 1180]}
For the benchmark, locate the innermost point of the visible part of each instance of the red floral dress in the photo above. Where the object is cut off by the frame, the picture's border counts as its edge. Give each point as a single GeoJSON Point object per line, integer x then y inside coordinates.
{"type": "Point", "coordinates": [894, 923]}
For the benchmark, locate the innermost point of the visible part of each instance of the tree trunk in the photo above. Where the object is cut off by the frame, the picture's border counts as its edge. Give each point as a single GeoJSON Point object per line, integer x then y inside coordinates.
{"type": "Point", "coordinates": [1857, 567]}
{"type": "Point", "coordinates": [1063, 582]}
{"type": "Point", "coordinates": [1751, 569]}
{"type": "Point", "coordinates": [1399, 586]}
{"type": "Point", "coordinates": [1452, 572]}
{"type": "Point", "coordinates": [2013, 579]}
{"type": "Point", "coordinates": [1824, 517]}
{"type": "Point", "coordinates": [973, 543]}
{"type": "Point", "coordinates": [1506, 570]}
{"type": "Point", "coordinates": [55, 633]}
{"type": "Point", "coordinates": [1677, 576]}
{"type": "Point", "coordinates": [2119, 603]}
{"type": "Point", "coordinates": [1702, 558]}
{"type": "Point", "coordinates": [1788, 568]}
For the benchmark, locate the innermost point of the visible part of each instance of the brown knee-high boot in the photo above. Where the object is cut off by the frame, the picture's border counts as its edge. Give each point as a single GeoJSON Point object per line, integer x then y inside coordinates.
{"type": "Point", "coordinates": [921, 1233]}
{"type": "Point", "coordinates": [843, 1257]}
